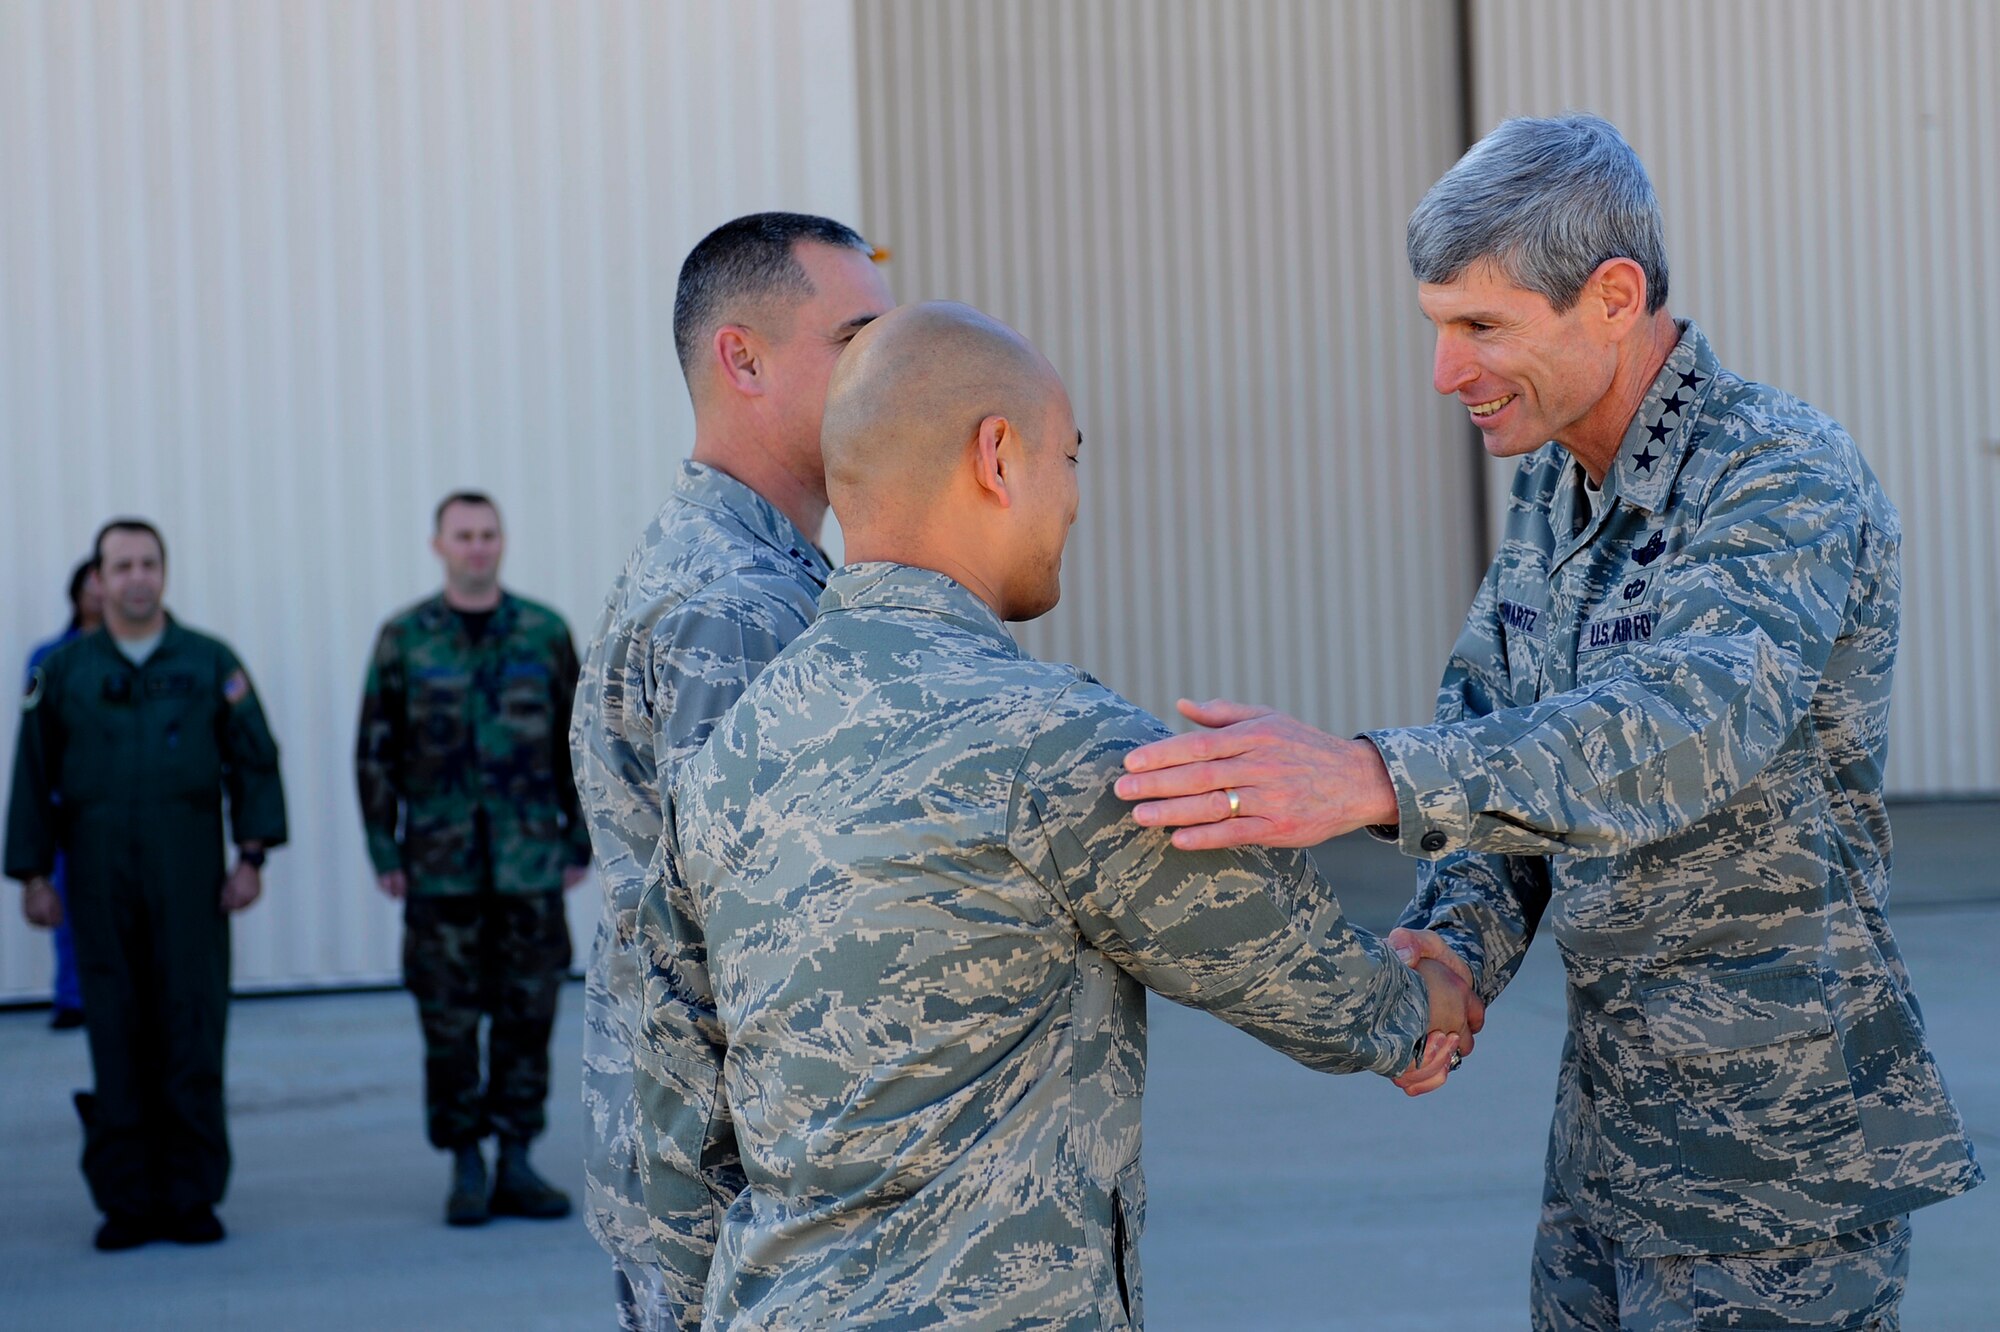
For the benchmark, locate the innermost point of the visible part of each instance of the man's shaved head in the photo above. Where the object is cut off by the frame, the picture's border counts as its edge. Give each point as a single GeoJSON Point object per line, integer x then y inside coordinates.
{"type": "Point", "coordinates": [908, 397]}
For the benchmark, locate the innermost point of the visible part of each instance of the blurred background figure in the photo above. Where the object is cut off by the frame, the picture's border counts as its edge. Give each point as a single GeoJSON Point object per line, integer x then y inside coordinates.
{"type": "Point", "coordinates": [86, 612]}
{"type": "Point", "coordinates": [138, 734]}
{"type": "Point", "coordinates": [472, 823]}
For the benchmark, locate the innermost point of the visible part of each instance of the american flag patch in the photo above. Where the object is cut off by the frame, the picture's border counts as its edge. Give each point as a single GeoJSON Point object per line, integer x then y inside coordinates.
{"type": "Point", "coordinates": [236, 688]}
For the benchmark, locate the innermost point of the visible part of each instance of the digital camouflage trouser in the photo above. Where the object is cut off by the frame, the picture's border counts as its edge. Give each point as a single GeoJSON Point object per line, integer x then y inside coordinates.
{"type": "Point", "coordinates": [500, 956]}
{"type": "Point", "coordinates": [1584, 1282]}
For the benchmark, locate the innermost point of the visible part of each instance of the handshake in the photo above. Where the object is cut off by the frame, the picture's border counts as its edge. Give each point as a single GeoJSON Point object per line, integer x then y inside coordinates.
{"type": "Point", "coordinates": [1252, 776]}
{"type": "Point", "coordinates": [1456, 1013]}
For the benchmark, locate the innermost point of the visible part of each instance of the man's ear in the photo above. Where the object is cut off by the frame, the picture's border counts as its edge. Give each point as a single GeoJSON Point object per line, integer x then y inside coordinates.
{"type": "Point", "coordinates": [1619, 288]}
{"type": "Point", "coordinates": [996, 453]}
{"type": "Point", "coordinates": [739, 359]}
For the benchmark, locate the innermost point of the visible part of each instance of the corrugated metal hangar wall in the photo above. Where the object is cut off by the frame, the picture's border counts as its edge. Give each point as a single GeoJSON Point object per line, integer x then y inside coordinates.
{"type": "Point", "coordinates": [1197, 208]}
{"type": "Point", "coordinates": [280, 276]}
{"type": "Point", "coordinates": [1830, 174]}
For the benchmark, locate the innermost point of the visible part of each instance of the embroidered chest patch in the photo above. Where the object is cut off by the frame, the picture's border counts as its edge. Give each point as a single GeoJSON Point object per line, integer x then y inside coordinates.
{"type": "Point", "coordinates": [1635, 626]}
{"type": "Point", "coordinates": [1521, 619]}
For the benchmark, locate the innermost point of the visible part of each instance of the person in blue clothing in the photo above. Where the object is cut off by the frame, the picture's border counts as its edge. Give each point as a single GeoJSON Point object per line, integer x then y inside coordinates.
{"type": "Point", "coordinates": [86, 612]}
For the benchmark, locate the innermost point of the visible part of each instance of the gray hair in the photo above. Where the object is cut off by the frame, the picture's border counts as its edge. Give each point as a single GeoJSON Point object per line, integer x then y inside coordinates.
{"type": "Point", "coordinates": [1548, 201]}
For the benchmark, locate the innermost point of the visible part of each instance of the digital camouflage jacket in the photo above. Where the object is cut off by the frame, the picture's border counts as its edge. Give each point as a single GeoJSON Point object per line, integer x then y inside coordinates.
{"type": "Point", "coordinates": [894, 1038]}
{"type": "Point", "coordinates": [1665, 722]}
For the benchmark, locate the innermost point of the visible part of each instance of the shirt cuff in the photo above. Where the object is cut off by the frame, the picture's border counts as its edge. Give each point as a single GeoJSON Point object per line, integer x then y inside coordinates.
{"type": "Point", "coordinates": [1433, 808]}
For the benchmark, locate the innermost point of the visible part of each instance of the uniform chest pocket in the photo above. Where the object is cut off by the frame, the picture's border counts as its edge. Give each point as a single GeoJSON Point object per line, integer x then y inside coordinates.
{"type": "Point", "coordinates": [437, 707]}
{"type": "Point", "coordinates": [1756, 1074]}
{"type": "Point", "coordinates": [525, 699]}
{"type": "Point", "coordinates": [525, 710]}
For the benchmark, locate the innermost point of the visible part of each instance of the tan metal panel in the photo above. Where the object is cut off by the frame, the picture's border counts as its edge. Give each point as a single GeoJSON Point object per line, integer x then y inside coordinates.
{"type": "Point", "coordinates": [1830, 174]}
{"type": "Point", "coordinates": [1196, 208]}
{"type": "Point", "coordinates": [280, 275]}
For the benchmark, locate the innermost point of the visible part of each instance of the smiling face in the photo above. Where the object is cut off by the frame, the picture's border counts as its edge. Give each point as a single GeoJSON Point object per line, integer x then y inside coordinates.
{"type": "Point", "coordinates": [1526, 373]}
{"type": "Point", "coordinates": [1048, 503]}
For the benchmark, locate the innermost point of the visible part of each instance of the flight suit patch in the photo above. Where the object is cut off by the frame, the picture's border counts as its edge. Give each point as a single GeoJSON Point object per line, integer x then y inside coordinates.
{"type": "Point", "coordinates": [177, 685]}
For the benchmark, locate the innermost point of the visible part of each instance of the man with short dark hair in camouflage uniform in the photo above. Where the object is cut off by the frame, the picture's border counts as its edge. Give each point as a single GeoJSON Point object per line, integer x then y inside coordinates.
{"type": "Point", "coordinates": [727, 573]}
{"type": "Point", "coordinates": [472, 824]}
{"type": "Point", "coordinates": [1665, 723]}
{"type": "Point", "coordinates": [894, 1033]}
{"type": "Point", "coordinates": [131, 738]}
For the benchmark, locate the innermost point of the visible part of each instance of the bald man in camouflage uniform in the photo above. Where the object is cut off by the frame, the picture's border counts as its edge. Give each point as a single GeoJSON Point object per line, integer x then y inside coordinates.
{"type": "Point", "coordinates": [895, 1027]}
{"type": "Point", "coordinates": [727, 573]}
{"type": "Point", "coordinates": [1664, 724]}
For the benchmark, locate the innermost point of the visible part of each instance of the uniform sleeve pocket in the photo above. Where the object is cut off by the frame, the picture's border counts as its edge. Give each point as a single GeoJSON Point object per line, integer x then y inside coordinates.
{"type": "Point", "coordinates": [679, 1098]}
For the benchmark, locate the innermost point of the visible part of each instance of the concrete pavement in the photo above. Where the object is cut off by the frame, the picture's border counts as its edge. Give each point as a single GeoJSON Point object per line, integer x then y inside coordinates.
{"type": "Point", "coordinates": [1279, 1199]}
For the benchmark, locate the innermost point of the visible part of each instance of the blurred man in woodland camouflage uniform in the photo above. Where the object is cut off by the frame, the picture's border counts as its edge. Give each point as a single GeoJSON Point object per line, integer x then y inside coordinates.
{"type": "Point", "coordinates": [472, 824]}
{"type": "Point", "coordinates": [1664, 722]}
{"type": "Point", "coordinates": [894, 1038]}
{"type": "Point", "coordinates": [728, 572]}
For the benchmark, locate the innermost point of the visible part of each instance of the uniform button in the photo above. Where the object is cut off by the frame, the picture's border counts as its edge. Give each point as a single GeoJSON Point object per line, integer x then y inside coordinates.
{"type": "Point", "coordinates": [1433, 841]}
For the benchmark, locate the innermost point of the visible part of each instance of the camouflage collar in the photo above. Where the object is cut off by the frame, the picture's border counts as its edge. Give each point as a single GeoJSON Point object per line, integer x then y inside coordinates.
{"type": "Point", "coordinates": [437, 617]}
{"type": "Point", "coordinates": [707, 488]}
{"type": "Point", "coordinates": [1662, 431]}
{"type": "Point", "coordinates": [879, 585]}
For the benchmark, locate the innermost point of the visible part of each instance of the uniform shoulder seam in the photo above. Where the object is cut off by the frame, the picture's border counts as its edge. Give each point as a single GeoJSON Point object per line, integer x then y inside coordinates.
{"type": "Point", "coordinates": [1077, 682]}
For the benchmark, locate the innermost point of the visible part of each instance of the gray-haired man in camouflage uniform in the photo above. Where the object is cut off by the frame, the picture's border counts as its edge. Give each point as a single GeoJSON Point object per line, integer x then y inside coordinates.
{"type": "Point", "coordinates": [894, 1035]}
{"type": "Point", "coordinates": [727, 573]}
{"type": "Point", "coordinates": [1664, 723]}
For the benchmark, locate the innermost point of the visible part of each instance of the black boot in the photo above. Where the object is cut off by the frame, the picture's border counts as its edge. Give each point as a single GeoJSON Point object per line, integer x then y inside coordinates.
{"type": "Point", "coordinates": [125, 1230]}
{"type": "Point", "coordinates": [466, 1204]}
{"type": "Point", "coordinates": [196, 1225]}
{"type": "Point", "coordinates": [519, 1191]}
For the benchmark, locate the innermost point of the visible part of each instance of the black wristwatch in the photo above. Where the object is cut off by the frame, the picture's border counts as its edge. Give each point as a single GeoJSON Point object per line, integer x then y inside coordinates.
{"type": "Point", "coordinates": [253, 856]}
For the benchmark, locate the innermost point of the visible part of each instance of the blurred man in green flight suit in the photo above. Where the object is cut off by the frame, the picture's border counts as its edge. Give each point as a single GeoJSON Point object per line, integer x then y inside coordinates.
{"type": "Point", "coordinates": [471, 814]}
{"type": "Point", "coordinates": [130, 739]}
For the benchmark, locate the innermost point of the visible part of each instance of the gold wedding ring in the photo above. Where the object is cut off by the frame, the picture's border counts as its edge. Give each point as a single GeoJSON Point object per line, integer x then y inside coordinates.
{"type": "Point", "coordinates": [1235, 801]}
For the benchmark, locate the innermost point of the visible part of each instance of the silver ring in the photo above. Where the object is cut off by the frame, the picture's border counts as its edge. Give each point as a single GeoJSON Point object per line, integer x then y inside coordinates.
{"type": "Point", "coordinates": [1456, 1060]}
{"type": "Point", "coordinates": [1235, 801]}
